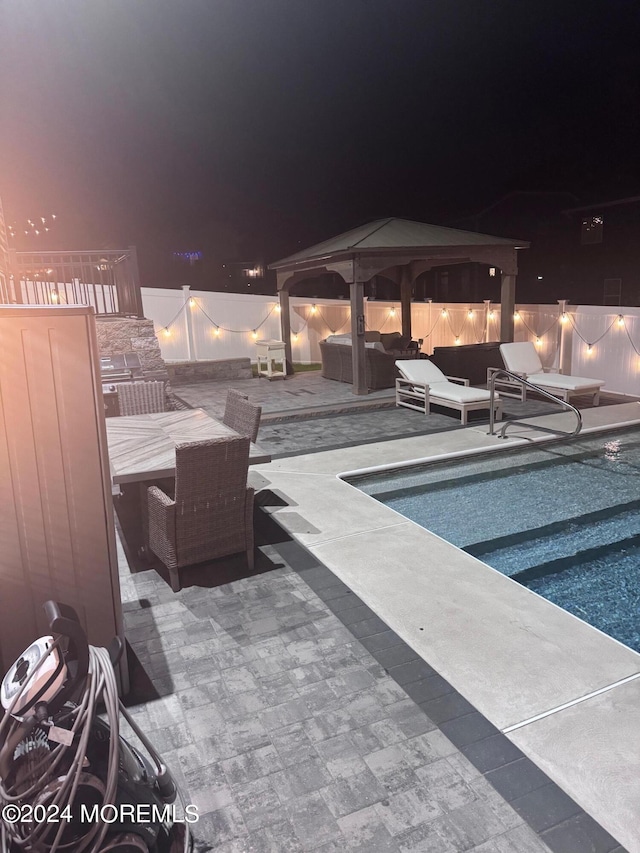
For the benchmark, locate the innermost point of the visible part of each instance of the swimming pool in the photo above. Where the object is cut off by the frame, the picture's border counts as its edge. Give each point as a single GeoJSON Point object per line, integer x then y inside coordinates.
{"type": "Point", "coordinates": [563, 519]}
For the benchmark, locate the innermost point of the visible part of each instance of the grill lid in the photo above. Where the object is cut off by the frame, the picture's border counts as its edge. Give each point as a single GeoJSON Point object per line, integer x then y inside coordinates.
{"type": "Point", "coordinates": [123, 367]}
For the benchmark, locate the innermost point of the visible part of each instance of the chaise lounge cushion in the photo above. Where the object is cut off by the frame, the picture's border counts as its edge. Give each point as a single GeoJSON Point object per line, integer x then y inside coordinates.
{"type": "Point", "coordinates": [522, 358]}
{"type": "Point", "coordinates": [425, 372]}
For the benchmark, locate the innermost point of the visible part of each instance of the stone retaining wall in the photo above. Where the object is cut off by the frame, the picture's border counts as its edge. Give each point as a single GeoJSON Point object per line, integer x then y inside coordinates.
{"type": "Point", "coordinates": [118, 335]}
{"type": "Point", "coordinates": [195, 371]}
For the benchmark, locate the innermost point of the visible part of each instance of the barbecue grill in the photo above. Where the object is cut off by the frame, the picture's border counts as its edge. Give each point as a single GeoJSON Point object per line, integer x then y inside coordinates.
{"type": "Point", "coordinates": [117, 368]}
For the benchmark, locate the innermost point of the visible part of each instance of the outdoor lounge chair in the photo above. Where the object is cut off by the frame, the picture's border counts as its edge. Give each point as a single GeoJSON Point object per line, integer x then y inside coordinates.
{"type": "Point", "coordinates": [211, 514]}
{"type": "Point", "coordinates": [522, 358]}
{"type": "Point", "coordinates": [422, 383]}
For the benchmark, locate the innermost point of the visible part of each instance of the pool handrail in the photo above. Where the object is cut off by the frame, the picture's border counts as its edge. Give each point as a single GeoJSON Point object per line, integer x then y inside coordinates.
{"type": "Point", "coordinates": [495, 372]}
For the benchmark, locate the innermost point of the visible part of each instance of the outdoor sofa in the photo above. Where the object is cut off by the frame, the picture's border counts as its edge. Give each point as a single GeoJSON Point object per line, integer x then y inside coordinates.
{"type": "Point", "coordinates": [381, 352]}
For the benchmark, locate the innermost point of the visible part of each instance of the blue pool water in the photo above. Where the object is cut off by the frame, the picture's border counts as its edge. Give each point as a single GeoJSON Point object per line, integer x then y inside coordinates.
{"type": "Point", "coordinates": [562, 519]}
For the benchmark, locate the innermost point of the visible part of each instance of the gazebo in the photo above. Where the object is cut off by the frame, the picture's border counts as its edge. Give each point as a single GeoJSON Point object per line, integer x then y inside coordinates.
{"type": "Point", "coordinates": [400, 250]}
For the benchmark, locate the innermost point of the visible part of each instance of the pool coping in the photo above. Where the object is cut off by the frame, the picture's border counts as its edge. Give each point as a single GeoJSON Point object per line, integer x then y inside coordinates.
{"type": "Point", "coordinates": [307, 489]}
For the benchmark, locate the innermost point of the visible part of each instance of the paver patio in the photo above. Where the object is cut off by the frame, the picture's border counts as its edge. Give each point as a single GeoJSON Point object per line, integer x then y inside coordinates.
{"type": "Point", "coordinates": [287, 732]}
{"type": "Point", "coordinates": [297, 721]}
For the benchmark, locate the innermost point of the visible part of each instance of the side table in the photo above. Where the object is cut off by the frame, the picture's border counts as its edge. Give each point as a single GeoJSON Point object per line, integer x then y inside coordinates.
{"type": "Point", "coordinates": [269, 353]}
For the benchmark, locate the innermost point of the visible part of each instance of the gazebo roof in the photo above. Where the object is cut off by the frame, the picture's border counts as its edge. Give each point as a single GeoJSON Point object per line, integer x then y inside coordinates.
{"type": "Point", "coordinates": [395, 234]}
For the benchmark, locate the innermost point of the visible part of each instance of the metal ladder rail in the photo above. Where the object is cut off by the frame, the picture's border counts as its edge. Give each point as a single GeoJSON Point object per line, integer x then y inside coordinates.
{"type": "Point", "coordinates": [538, 390]}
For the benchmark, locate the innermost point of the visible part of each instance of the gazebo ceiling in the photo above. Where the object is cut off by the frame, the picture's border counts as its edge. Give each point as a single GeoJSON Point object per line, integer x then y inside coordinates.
{"type": "Point", "coordinates": [393, 235]}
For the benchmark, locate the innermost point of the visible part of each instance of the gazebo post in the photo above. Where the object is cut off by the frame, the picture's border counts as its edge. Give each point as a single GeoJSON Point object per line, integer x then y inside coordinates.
{"type": "Point", "coordinates": [285, 327]}
{"type": "Point", "coordinates": [508, 307]}
{"type": "Point", "coordinates": [405, 299]}
{"type": "Point", "coordinates": [356, 292]}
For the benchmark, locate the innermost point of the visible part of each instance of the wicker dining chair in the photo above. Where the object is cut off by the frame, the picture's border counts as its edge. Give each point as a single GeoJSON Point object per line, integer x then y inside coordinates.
{"type": "Point", "coordinates": [141, 398]}
{"type": "Point", "coordinates": [211, 515]}
{"type": "Point", "coordinates": [241, 415]}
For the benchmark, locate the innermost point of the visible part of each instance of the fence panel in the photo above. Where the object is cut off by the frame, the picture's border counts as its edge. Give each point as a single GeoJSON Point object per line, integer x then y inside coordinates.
{"type": "Point", "coordinates": [223, 326]}
{"type": "Point", "coordinates": [615, 346]}
{"type": "Point", "coordinates": [166, 309]}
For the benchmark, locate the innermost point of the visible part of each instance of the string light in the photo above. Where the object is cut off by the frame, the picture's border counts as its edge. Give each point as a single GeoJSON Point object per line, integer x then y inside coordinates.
{"type": "Point", "coordinates": [216, 331]}
{"type": "Point", "coordinates": [167, 332]}
{"type": "Point", "coordinates": [457, 342]}
{"type": "Point", "coordinates": [37, 226]}
{"type": "Point", "coordinates": [620, 320]}
{"type": "Point", "coordinates": [392, 312]}
{"type": "Point", "coordinates": [254, 335]}
{"type": "Point", "coordinates": [444, 312]}
{"type": "Point", "coordinates": [278, 307]}
{"type": "Point", "coordinates": [313, 309]}
{"type": "Point", "coordinates": [538, 342]}
{"type": "Point", "coordinates": [54, 296]}
{"type": "Point", "coordinates": [589, 349]}
{"type": "Point", "coordinates": [470, 313]}
{"type": "Point", "coordinates": [492, 314]}
{"type": "Point", "coordinates": [516, 316]}
{"type": "Point", "coordinates": [192, 302]}
{"type": "Point", "coordinates": [563, 318]}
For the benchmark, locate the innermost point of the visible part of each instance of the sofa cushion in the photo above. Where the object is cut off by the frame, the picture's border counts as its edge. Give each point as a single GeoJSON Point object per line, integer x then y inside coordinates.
{"type": "Point", "coordinates": [339, 339]}
{"type": "Point", "coordinates": [389, 339]}
{"type": "Point", "coordinates": [399, 342]}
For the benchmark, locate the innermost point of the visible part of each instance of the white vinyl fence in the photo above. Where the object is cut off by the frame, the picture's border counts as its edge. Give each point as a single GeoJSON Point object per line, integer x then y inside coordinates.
{"type": "Point", "coordinates": [202, 326]}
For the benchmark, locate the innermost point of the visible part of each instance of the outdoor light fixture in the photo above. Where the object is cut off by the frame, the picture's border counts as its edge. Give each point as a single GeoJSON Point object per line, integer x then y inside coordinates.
{"type": "Point", "coordinates": [492, 271]}
{"type": "Point", "coordinates": [539, 278]}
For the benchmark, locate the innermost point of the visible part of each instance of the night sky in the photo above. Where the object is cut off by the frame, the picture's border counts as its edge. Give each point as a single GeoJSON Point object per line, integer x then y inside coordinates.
{"type": "Point", "coordinates": [289, 121]}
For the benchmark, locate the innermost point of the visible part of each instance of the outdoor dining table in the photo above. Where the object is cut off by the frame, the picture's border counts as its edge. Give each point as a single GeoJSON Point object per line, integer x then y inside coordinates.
{"type": "Point", "coordinates": [143, 447]}
{"type": "Point", "coordinates": [142, 450]}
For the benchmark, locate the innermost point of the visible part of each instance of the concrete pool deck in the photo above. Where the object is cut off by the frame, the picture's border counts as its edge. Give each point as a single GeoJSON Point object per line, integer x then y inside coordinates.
{"type": "Point", "coordinates": [564, 693]}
